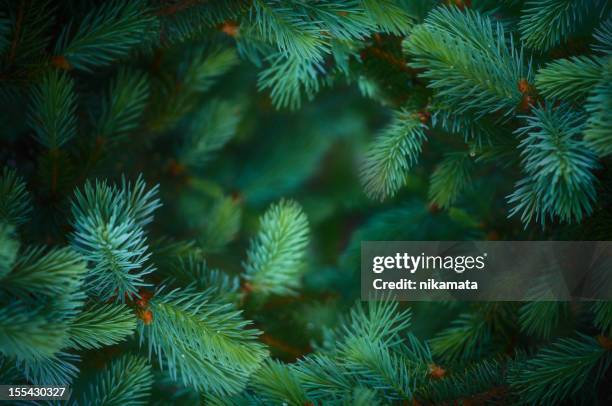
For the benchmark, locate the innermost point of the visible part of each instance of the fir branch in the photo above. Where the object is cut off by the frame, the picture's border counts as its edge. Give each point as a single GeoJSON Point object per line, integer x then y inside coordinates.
{"type": "Point", "coordinates": [468, 61]}
{"type": "Point", "coordinates": [393, 153]}
{"type": "Point", "coordinates": [598, 132]}
{"type": "Point", "coordinates": [30, 24]}
{"type": "Point", "coordinates": [558, 167]}
{"type": "Point", "coordinates": [15, 201]}
{"type": "Point", "coordinates": [26, 332]}
{"type": "Point", "coordinates": [275, 258]}
{"type": "Point", "coordinates": [59, 369]}
{"type": "Point", "coordinates": [465, 339]}
{"type": "Point", "coordinates": [52, 111]}
{"type": "Point", "coordinates": [540, 318]}
{"type": "Point", "coordinates": [123, 105]}
{"type": "Point", "coordinates": [203, 343]}
{"type": "Point", "coordinates": [323, 378]}
{"type": "Point", "coordinates": [107, 33]}
{"type": "Point", "coordinates": [388, 15]}
{"type": "Point", "coordinates": [126, 381]}
{"type": "Point", "coordinates": [603, 317]}
{"type": "Point", "coordinates": [9, 247]}
{"type": "Point", "coordinates": [285, 27]}
{"type": "Point", "coordinates": [377, 367]}
{"type": "Point", "coordinates": [278, 383]}
{"type": "Point", "coordinates": [560, 371]}
{"type": "Point", "coordinates": [288, 77]}
{"type": "Point", "coordinates": [108, 233]}
{"type": "Point", "coordinates": [222, 225]}
{"type": "Point", "coordinates": [603, 37]}
{"type": "Point", "coordinates": [211, 128]}
{"type": "Point", "coordinates": [194, 271]}
{"type": "Point", "coordinates": [55, 272]}
{"type": "Point", "coordinates": [450, 178]}
{"type": "Point", "coordinates": [179, 95]}
{"type": "Point", "coordinates": [545, 24]}
{"type": "Point", "coordinates": [100, 325]}
{"type": "Point", "coordinates": [570, 79]}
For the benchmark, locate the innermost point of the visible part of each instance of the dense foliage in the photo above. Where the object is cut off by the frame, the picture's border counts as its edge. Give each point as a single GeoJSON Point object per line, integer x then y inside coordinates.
{"type": "Point", "coordinates": [186, 184]}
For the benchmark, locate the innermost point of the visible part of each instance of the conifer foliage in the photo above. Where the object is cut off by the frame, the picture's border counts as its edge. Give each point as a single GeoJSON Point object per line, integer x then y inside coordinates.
{"type": "Point", "coordinates": [185, 185]}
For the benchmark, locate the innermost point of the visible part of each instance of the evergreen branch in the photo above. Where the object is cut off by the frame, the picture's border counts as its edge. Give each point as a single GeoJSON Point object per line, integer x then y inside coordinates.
{"type": "Point", "coordinates": [465, 339]}
{"type": "Point", "coordinates": [376, 366]}
{"type": "Point", "coordinates": [123, 105]}
{"type": "Point", "coordinates": [278, 383]}
{"type": "Point", "coordinates": [9, 247]}
{"type": "Point", "coordinates": [58, 369]}
{"type": "Point", "coordinates": [560, 371]}
{"type": "Point", "coordinates": [179, 24]}
{"type": "Point", "coordinates": [52, 112]}
{"type": "Point", "coordinates": [388, 16]}
{"type": "Point", "coordinates": [31, 24]}
{"type": "Point", "coordinates": [288, 77]}
{"type": "Point", "coordinates": [345, 20]}
{"type": "Point", "coordinates": [275, 259]}
{"type": "Point", "coordinates": [570, 79]}
{"type": "Point", "coordinates": [15, 201]}
{"type": "Point", "coordinates": [54, 273]}
{"type": "Point", "coordinates": [558, 167]}
{"type": "Point", "coordinates": [544, 24]}
{"type": "Point", "coordinates": [450, 178]}
{"type": "Point", "coordinates": [323, 378]}
{"type": "Point", "coordinates": [179, 95]}
{"type": "Point", "coordinates": [202, 342]}
{"type": "Point", "coordinates": [222, 225]}
{"type": "Point", "coordinates": [488, 376]}
{"type": "Point", "coordinates": [26, 332]}
{"type": "Point", "coordinates": [598, 132]}
{"type": "Point", "coordinates": [603, 317]}
{"type": "Point", "coordinates": [603, 36]}
{"type": "Point", "coordinates": [101, 325]}
{"type": "Point", "coordinates": [108, 233]}
{"type": "Point", "coordinates": [540, 318]}
{"type": "Point", "coordinates": [194, 271]}
{"type": "Point", "coordinates": [289, 30]}
{"type": "Point", "coordinates": [468, 61]}
{"type": "Point", "coordinates": [394, 151]}
{"type": "Point", "coordinates": [212, 127]}
{"type": "Point", "coordinates": [107, 33]}
{"type": "Point", "coordinates": [126, 381]}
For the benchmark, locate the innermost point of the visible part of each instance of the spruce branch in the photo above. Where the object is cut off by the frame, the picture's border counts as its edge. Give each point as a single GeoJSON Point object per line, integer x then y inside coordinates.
{"type": "Point", "coordinates": [570, 79]}
{"type": "Point", "coordinates": [544, 24]}
{"type": "Point", "coordinates": [598, 132]}
{"type": "Point", "coordinates": [9, 247]}
{"type": "Point", "coordinates": [52, 111]}
{"type": "Point", "coordinates": [101, 325]}
{"type": "Point", "coordinates": [469, 61]}
{"type": "Point", "coordinates": [560, 371]}
{"type": "Point", "coordinates": [201, 341]}
{"type": "Point", "coordinates": [211, 128]}
{"type": "Point", "coordinates": [450, 178]}
{"type": "Point", "coordinates": [123, 105]}
{"type": "Point", "coordinates": [603, 316]}
{"type": "Point", "coordinates": [388, 16]}
{"type": "Point", "coordinates": [278, 383]}
{"type": "Point", "coordinates": [58, 369]}
{"type": "Point", "coordinates": [126, 381]}
{"type": "Point", "coordinates": [558, 167]}
{"type": "Point", "coordinates": [107, 33]}
{"type": "Point", "coordinates": [394, 151]}
{"type": "Point", "coordinates": [465, 339]}
{"type": "Point", "coordinates": [15, 201]}
{"type": "Point", "coordinates": [540, 318]}
{"type": "Point", "coordinates": [275, 259]}
{"type": "Point", "coordinates": [603, 37]}
{"type": "Point", "coordinates": [108, 223]}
